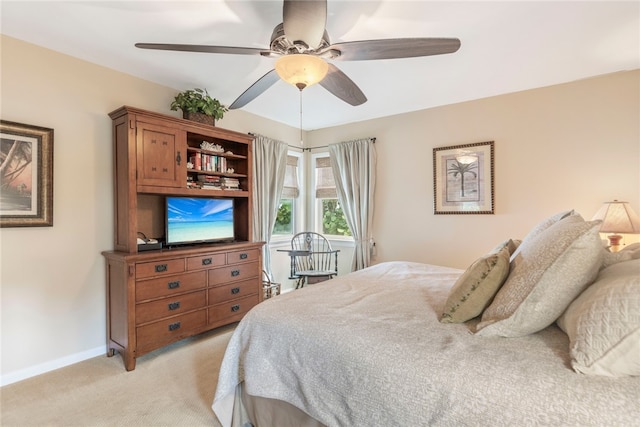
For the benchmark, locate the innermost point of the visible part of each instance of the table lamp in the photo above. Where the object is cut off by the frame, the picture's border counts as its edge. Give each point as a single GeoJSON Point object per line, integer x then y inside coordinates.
{"type": "Point", "coordinates": [617, 217]}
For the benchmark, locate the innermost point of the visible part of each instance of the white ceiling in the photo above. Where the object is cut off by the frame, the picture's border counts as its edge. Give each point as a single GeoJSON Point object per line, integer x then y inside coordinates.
{"type": "Point", "coordinates": [506, 46]}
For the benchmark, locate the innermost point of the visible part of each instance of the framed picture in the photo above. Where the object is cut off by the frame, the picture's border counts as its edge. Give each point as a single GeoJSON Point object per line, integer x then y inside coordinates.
{"type": "Point", "coordinates": [463, 179]}
{"type": "Point", "coordinates": [26, 175]}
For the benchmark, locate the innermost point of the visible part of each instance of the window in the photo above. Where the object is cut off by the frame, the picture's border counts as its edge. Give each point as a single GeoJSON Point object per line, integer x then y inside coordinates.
{"type": "Point", "coordinates": [285, 220]}
{"type": "Point", "coordinates": [285, 217]}
{"type": "Point", "coordinates": [330, 218]}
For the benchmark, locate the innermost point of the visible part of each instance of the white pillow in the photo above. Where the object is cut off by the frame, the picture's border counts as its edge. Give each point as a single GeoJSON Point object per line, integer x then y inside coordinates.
{"type": "Point", "coordinates": [628, 252]}
{"type": "Point", "coordinates": [543, 225]}
{"type": "Point", "coordinates": [610, 258]}
{"type": "Point", "coordinates": [603, 323]}
{"type": "Point", "coordinates": [549, 270]}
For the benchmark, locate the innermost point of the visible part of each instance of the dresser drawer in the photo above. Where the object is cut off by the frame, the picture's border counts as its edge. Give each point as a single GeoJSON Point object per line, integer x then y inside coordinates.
{"type": "Point", "coordinates": [155, 310]}
{"type": "Point", "coordinates": [233, 291]}
{"type": "Point", "coordinates": [165, 286]}
{"type": "Point", "coordinates": [205, 261]}
{"type": "Point", "coordinates": [242, 256]}
{"type": "Point", "coordinates": [157, 268]}
{"type": "Point", "coordinates": [157, 334]}
{"type": "Point", "coordinates": [232, 311]}
{"type": "Point", "coordinates": [233, 273]}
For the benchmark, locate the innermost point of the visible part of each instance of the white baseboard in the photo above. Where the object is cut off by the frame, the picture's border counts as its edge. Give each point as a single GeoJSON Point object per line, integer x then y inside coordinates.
{"type": "Point", "coordinates": [32, 371]}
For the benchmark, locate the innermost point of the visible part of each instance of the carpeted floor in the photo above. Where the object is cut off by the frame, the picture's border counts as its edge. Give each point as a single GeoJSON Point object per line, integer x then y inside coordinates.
{"type": "Point", "coordinates": [173, 386]}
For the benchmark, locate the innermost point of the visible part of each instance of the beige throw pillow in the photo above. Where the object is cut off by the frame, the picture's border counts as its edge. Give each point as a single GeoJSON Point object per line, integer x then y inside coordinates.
{"type": "Point", "coordinates": [603, 323]}
{"type": "Point", "coordinates": [475, 289]}
{"type": "Point", "coordinates": [547, 273]}
{"type": "Point", "coordinates": [510, 244]}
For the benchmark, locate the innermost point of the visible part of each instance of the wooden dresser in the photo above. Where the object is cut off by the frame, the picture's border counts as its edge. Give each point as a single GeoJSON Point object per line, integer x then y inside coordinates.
{"type": "Point", "coordinates": [157, 297]}
{"type": "Point", "coordinates": [154, 299]}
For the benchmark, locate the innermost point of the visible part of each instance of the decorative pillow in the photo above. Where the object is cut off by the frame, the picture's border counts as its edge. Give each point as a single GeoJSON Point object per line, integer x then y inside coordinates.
{"type": "Point", "coordinates": [603, 323]}
{"type": "Point", "coordinates": [610, 258]}
{"type": "Point", "coordinates": [510, 244]}
{"type": "Point", "coordinates": [627, 253]}
{"type": "Point", "coordinates": [633, 247]}
{"type": "Point", "coordinates": [547, 273]}
{"type": "Point", "coordinates": [544, 224]}
{"type": "Point", "coordinates": [475, 289]}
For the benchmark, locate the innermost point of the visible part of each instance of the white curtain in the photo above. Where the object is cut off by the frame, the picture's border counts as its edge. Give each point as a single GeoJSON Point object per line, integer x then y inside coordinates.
{"type": "Point", "coordinates": [269, 166]}
{"type": "Point", "coordinates": [354, 171]}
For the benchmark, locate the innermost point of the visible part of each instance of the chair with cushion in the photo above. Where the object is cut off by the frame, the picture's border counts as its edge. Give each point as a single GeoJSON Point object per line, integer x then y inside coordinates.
{"type": "Point", "coordinates": [312, 259]}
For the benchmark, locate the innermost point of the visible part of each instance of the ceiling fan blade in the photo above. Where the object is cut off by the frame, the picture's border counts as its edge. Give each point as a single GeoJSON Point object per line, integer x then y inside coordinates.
{"type": "Point", "coordinates": [395, 48]}
{"type": "Point", "coordinates": [305, 21]}
{"type": "Point", "coordinates": [262, 84]}
{"type": "Point", "coordinates": [204, 48]}
{"type": "Point", "coordinates": [342, 86]}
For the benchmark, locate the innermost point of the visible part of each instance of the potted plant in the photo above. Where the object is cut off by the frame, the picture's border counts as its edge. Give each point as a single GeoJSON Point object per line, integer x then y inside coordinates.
{"type": "Point", "coordinates": [197, 105]}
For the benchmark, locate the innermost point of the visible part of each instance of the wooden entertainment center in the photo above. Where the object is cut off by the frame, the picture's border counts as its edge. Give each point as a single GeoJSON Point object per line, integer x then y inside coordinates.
{"type": "Point", "coordinates": [161, 296]}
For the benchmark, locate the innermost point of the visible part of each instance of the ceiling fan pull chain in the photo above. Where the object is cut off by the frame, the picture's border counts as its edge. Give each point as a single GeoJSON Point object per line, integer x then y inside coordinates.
{"type": "Point", "coordinates": [301, 142]}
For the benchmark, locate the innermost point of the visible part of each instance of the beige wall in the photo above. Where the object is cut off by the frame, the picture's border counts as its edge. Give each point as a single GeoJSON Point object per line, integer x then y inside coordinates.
{"type": "Point", "coordinates": [52, 278]}
{"type": "Point", "coordinates": [569, 146]}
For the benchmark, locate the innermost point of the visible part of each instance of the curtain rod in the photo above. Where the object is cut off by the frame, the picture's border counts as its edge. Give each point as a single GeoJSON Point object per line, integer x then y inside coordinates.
{"type": "Point", "coordinates": [288, 145]}
{"type": "Point", "coordinates": [326, 146]}
{"type": "Point", "coordinates": [307, 149]}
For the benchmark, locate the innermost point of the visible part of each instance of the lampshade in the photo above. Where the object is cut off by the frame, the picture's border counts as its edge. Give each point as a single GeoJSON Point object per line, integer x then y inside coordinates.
{"type": "Point", "coordinates": [618, 217]}
{"type": "Point", "coordinates": [301, 70]}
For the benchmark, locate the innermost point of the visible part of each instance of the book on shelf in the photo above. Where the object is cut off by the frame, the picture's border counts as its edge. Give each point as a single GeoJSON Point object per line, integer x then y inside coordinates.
{"type": "Point", "coordinates": [230, 183]}
{"type": "Point", "coordinates": [208, 178]}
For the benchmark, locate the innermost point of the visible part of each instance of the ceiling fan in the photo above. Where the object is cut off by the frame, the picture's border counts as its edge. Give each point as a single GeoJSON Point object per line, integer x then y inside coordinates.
{"type": "Point", "coordinates": [302, 46]}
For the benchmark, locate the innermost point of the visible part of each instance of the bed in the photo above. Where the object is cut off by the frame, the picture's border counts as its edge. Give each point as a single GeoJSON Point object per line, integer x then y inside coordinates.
{"type": "Point", "coordinates": [374, 348]}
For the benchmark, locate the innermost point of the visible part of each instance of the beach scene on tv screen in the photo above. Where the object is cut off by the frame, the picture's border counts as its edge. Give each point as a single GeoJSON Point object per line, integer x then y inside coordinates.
{"type": "Point", "coordinates": [194, 219]}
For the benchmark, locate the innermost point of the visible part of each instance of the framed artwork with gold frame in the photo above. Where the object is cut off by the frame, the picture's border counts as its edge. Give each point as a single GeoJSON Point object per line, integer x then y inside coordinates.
{"type": "Point", "coordinates": [26, 175]}
{"type": "Point", "coordinates": [463, 179]}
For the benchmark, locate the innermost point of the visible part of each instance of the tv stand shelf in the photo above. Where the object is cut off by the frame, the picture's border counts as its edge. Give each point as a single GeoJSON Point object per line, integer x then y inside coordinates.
{"type": "Point", "coordinates": [197, 192]}
{"type": "Point", "coordinates": [157, 297]}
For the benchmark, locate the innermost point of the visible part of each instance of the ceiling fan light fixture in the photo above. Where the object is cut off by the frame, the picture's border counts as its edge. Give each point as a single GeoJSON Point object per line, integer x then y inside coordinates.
{"type": "Point", "coordinates": [301, 70]}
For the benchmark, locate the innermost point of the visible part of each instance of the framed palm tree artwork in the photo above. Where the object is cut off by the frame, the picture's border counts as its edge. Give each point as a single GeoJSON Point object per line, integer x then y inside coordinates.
{"type": "Point", "coordinates": [26, 175]}
{"type": "Point", "coordinates": [463, 179]}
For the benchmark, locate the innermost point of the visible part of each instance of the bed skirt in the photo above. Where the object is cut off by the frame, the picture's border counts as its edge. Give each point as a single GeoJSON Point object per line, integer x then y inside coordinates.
{"type": "Point", "coordinates": [258, 411]}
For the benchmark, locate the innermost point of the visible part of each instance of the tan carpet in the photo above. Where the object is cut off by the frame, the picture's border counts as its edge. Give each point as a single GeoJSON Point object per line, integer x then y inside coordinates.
{"type": "Point", "coordinates": [173, 386]}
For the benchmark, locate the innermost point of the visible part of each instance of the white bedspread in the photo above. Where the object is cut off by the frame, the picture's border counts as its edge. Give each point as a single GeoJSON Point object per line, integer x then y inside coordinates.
{"type": "Point", "coordinates": [367, 349]}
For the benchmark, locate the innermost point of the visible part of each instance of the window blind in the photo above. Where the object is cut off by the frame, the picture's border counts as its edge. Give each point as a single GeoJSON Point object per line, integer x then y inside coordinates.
{"type": "Point", "coordinates": [325, 184]}
{"type": "Point", "coordinates": [291, 189]}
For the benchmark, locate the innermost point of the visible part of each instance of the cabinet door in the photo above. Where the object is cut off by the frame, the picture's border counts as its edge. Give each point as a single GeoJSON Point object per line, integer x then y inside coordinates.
{"type": "Point", "coordinates": [161, 157]}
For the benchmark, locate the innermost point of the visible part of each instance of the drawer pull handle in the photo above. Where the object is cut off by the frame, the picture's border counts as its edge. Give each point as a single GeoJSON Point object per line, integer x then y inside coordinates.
{"type": "Point", "coordinates": [244, 256]}
{"type": "Point", "coordinates": [174, 285]}
{"type": "Point", "coordinates": [174, 305]}
{"type": "Point", "coordinates": [161, 267]}
{"type": "Point", "coordinates": [235, 290]}
{"type": "Point", "coordinates": [235, 308]}
{"type": "Point", "coordinates": [174, 326]}
{"type": "Point", "coordinates": [206, 261]}
{"type": "Point", "coordinates": [235, 273]}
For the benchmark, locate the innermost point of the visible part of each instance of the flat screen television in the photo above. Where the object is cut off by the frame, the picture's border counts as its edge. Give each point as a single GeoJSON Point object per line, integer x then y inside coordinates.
{"type": "Point", "coordinates": [198, 220]}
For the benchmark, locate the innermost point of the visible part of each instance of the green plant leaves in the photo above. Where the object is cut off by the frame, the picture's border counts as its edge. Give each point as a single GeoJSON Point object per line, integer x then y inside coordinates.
{"type": "Point", "coordinates": [198, 101]}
